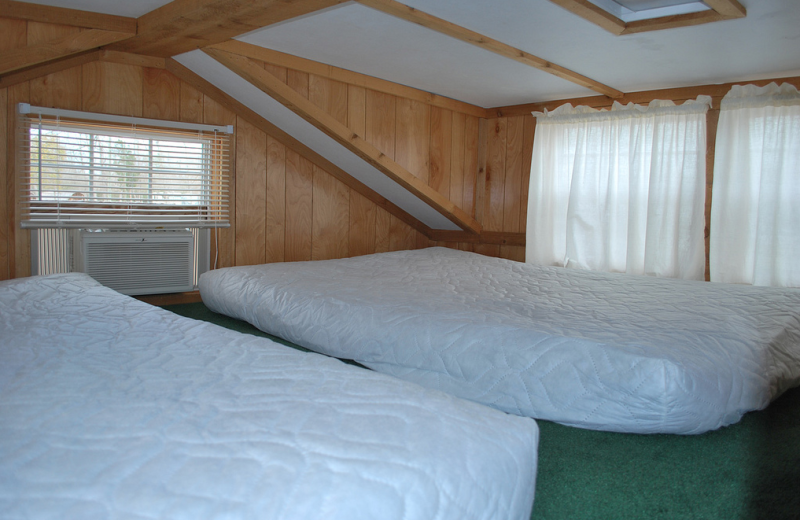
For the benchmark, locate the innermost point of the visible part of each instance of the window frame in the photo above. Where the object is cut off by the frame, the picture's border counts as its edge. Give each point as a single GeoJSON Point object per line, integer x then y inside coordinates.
{"type": "Point", "coordinates": [208, 179]}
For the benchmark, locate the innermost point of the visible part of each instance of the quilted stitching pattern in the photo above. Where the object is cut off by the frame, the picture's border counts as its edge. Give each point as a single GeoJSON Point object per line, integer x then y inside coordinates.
{"type": "Point", "coordinates": [112, 408]}
{"type": "Point", "coordinates": [594, 350]}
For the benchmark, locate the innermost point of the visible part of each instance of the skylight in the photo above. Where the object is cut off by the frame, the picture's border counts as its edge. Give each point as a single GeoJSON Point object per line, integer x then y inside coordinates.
{"type": "Point", "coordinates": [633, 10]}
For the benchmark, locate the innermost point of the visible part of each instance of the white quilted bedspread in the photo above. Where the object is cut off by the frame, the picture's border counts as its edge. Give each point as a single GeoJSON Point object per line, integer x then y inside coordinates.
{"type": "Point", "coordinates": [112, 408]}
{"type": "Point", "coordinates": [594, 350]}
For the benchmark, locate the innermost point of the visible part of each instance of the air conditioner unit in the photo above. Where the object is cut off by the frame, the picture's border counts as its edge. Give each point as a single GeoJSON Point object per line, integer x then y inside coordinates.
{"type": "Point", "coordinates": [138, 262]}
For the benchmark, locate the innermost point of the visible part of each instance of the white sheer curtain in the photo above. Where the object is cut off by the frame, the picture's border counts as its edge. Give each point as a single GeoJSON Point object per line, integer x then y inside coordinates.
{"type": "Point", "coordinates": [620, 190]}
{"type": "Point", "coordinates": [755, 212]}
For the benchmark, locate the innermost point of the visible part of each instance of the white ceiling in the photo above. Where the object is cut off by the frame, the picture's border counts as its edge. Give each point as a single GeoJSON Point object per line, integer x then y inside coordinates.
{"type": "Point", "coordinates": [765, 44]}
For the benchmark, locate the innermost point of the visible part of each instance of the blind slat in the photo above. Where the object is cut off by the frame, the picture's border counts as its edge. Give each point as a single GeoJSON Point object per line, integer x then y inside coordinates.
{"type": "Point", "coordinates": [78, 173]}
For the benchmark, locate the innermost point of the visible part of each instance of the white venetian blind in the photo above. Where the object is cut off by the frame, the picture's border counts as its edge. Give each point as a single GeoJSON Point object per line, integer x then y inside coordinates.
{"type": "Point", "coordinates": [85, 170]}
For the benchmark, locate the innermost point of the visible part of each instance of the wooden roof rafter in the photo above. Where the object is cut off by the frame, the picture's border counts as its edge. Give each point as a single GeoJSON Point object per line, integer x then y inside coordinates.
{"type": "Point", "coordinates": [64, 16]}
{"type": "Point", "coordinates": [418, 17]}
{"type": "Point", "coordinates": [184, 25]}
{"type": "Point", "coordinates": [720, 10]}
{"type": "Point", "coordinates": [272, 86]}
{"type": "Point", "coordinates": [57, 49]}
{"type": "Point", "coordinates": [241, 110]}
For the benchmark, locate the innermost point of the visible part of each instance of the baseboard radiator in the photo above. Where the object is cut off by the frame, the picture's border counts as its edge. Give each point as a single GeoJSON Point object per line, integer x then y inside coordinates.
{"type": "Point", "coordinates": [138, 262]}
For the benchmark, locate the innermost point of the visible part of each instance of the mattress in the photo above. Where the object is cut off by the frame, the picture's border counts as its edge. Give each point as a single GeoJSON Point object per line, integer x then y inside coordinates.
{"type": "Point", "coordinates": [112, 408]}
{"type": "Point", "coordinates": [593, 350]}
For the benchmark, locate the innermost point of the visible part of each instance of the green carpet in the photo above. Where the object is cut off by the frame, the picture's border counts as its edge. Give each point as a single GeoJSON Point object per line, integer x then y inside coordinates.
{"type": "Point", "coordinates": [750, 470]}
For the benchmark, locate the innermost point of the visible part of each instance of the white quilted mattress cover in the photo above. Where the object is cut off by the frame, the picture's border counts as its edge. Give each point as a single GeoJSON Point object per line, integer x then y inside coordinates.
{"type": "Point", "coordinates": [593, 350]}
{"type": "Point", "coordinates": [112, 408]}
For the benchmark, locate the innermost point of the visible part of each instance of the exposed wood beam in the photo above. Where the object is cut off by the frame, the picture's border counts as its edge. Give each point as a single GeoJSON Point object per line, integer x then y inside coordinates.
{"type": "Point", "coordinates": [16, 59]}
{"type": "Point", "coordinates": [727, 8]}
{"type": "Point", "coordinates": [189, 77]}
{"type": "Point", "coordinates": [672, 22]}
{"type": "Point", "coordinates": [126, 58]}
{"type": "Point", "coordinates": [272, 86]}
{"type": "Point", "coordinates": [679, 95]}
{"type": "Point", "coordinates": [484, 42]}
{"type": "Point", "coordinates": [38, 71]}
{"type": "Point", "coordinates": [61, 15]}
{"type": "Point", "coordinates": [184, 25]}
{"type": "Point", "coordinates": [346, 76]}
{"type": "Point", "coordinates": [720, 10]}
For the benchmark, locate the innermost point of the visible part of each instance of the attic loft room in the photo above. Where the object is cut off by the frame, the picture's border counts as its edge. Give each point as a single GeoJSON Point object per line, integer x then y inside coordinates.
{"type": "Point", "coordinates": [371, 259]}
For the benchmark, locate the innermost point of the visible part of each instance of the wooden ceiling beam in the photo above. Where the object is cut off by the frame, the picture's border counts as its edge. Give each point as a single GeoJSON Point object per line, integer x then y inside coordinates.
{"type": "Point", "coordinates": [64, 16]}
{"type": "Point", "coordinates": [23, 57]}
{"type": "Point", "coordinates": [51, 67]}
{"type": "Point", "coordinates": [347, 76]}
{"type": "Point", "coordinates": [125, 58]}
{"type": "Point", "coordinates": [418, 17]}
{"type": "Point", "coordinates": [672, 22]}
{"type": "Point", "coordinates": [241, 110]}
{"type": "Point", "coordinates": [184, 25]}
{"type": "Point", "coordinates": [720, 10]}
{"type": "Point", "coordinates": [275, 88]}
{"type": "Point", "coordinates": [729, 9]}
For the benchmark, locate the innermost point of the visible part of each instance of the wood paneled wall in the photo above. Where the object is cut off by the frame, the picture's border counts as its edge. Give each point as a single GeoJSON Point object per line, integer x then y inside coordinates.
{"type": "Point", "coordinates": [283, 207]}
{"type": "Point", "coordinates": [509, 144]}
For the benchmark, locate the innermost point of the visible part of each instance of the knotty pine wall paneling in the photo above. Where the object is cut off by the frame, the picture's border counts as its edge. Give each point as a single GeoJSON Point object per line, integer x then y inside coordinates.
{"type": "Point", "coordinates": [251, 197]}
{"type": "Point", "coordinates": [362, 211]}
{"type": "Point", "coordinates": [441, 145]}
{"type": "Point", "coordinates": [18, 239]}
{"type": "Point", "coordinates": [495, 175]}
{"type": "Point", "coordinates": [299, 199]}
{"type": "Point", "coordinates": [503, 184]}
{"type": "Point", "coordinates": [283, 207]}
{"type": "Point", "coordinates": [161, 95]}
{"type": "Point", "coordinates": [13, 34]}
{"type": "Point", "coordinates": [412, 141]}
{"type": "Point", "coordinates": [331, 217]}
{"type": "Point", "coordinates": [6, 215]}
{"type": "Point", "coordinates": [276, 201]}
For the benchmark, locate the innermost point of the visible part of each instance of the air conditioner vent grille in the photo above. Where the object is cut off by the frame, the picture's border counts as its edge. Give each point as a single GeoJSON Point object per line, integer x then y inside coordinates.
{"type": "Point", "coordinates": [143, 263]}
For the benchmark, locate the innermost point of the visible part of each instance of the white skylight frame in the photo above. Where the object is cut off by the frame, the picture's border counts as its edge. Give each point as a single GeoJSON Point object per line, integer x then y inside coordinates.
{"type": "Point", "coordinates": [628, 15]}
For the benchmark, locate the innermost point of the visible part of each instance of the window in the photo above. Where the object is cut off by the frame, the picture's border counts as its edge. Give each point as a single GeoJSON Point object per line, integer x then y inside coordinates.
{"type": "Point", "coordinates": [83, 170]}
{"type": "Point", "coordinates": [755, 213]}
{"type": "Point", "coordinates": [620, 190]}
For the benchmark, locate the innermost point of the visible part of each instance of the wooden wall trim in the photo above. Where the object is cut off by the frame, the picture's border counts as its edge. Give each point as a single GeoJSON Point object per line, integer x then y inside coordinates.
{"type": "Point", "coordinates": [346, 76]}
{"type": "Point", "coordinates": [356, 144]}
{"type": "Point", "coordinates": [679, 95]}
{"type": "Point", "coordinates": [485, 237]}
{"type": "Point", "coordinates": [64, 16]}
{"type": "Point", "coordinates": [290, 142]}
{"type": "Point", "coordinates": [712, 122]}
{"type": "Point", "coordinates": [160, 300]}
